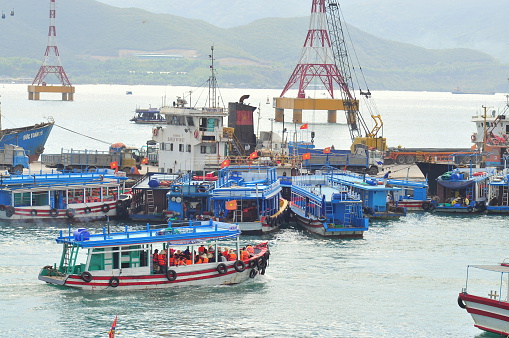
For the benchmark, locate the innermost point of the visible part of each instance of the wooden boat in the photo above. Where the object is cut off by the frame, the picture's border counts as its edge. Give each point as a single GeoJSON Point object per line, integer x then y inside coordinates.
{"type": "Point", "coordinates": [123, 260]}
{"type": "Point", "coordinates": [412, 195]}
{"type": "Point", "coordinates": [76, 196]}
{"type": "Point", "coordinates": [490, 311]}
{"type": "Point", "coordinates": [327, 208]}
{"type": "Point", "coordinates": [249, 196]}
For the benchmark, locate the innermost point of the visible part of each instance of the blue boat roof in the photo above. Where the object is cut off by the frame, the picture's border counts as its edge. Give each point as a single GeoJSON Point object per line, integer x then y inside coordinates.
{"type": "Point", "coordinates": [197, 233]}
{"type": "Point", "coordinates": [361, 182]}
{"type": "Point", "coordinates": [160, 177]}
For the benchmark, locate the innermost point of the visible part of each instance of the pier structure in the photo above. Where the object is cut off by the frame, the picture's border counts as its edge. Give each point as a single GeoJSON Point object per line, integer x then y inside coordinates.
{"type": "Point", "coordinates": [51, 65]}
{"type": "Point", "coordinates": [317, 62]}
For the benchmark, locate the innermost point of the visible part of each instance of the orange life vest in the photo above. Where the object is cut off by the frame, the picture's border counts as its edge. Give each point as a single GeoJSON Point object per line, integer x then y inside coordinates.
{"type": "Point", "coordinates": [161, 260]}
{"type": "Point", "coordinates": [244, 255]}
{"type": "Point", "coordinates": [232, 257]}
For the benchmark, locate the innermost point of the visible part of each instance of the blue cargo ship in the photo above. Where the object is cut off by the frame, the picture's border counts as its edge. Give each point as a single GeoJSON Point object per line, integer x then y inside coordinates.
{"type": "Point", "coordinates": [31, 138]}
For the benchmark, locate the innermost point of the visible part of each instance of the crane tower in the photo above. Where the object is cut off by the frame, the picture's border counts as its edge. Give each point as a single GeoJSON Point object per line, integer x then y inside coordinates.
{"type": "Point", "coordinates": [51, 65]}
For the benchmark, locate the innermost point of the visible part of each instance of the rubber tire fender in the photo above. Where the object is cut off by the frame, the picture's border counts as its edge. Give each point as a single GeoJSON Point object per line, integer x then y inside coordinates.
{"type": "Point", "coordinates": [239, 266]}
{"type": "Point", "coordinates": [119, 204]}
{"type": "Point", "coordinates": [114, 282]}
{"type": "Point", "coordinates": [105, 208]}
{"type": "Point", "coordinates": [470, 209]}
{"type": "Point", "coordinates": [9, 211]}
{"type": "Point", "coordinates": [222, 268]}
{"type": "Point", "coordinates": [252, 263]}
{"type": "Point", "coordinates": [425, 206]}
{"type": "Point", "coordinates": [2, 207]}
{"type": "Point", "coordinates": [53, 212]}
{"type": "Point", "coordinates": [171, 275]}
{"type": "Point", "coordinates": [70, 213]}
{"type": "Point", "coordinates": [33, 212]}
{"type": "Point", "coordinates": [461, 304]}
{"type": "Point", "coordinates": [86, 276]}
{"type": "Point", "coordinates": [261, 263]}
{"type": "Point", "coordinates": [87, 210]}
{"type": "Point", "coordinates": [252, 273]}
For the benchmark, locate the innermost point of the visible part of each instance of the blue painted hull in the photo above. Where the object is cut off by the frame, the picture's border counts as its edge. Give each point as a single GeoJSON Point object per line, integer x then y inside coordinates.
{"type": "Point", "coordinates": [31, 138]}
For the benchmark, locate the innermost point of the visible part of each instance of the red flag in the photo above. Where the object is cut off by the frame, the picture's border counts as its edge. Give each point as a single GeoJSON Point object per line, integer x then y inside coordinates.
{"type": "Point", "coordinates": [144, 160]}
{"type": "Point", "coordinates": [114, 165]}
{"type": "Point", "coordinates": [231, 205]}
{"type": "Point", "coordinates": [306, 156]}
{"type": "Point", "coordinates": [326, 150]}
{"type": "Point", "coordinates": [304, 126]}
{"type": "Point", "coordinates": [111, 333]}
{"type": "Point", "coordinates": [225, 163]}
{"type": "Point", "coordinates": [253, 155]}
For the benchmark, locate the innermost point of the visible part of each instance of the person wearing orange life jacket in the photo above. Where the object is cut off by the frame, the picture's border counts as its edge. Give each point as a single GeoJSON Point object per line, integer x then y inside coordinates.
{"type": "Point", "coordinates": [225, 253]}
{"type": "Point", "coordinates": [197, 259]}
{"type": "Point", "coordinates": [244, 255]}
{"type": "Point", "coordinates": [162, 261]}
{"type": "Point", "coordinates": [155, 261]}
{"type": "Point", "coordinates": [250, 250]}
{"type": "Point", "coordinates": [232, 256]}
{"type": "Point", "coordinates": [172, 259]}
{"type": "Point", "coordinates": [204, 258]}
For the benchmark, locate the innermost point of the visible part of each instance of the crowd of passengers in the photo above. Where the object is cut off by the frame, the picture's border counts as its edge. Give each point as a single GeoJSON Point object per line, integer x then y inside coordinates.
{"type": "Point", "coordinates": [161, 260]}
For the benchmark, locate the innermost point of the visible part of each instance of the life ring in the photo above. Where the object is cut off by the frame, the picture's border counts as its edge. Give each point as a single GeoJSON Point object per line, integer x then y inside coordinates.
{"type": "Point", "coordinates": [87, 210]}
{"type": "Point", "coordinates": [70, 213]}
{"type": "Point", "coordinates": [86, 276]}
{"type": "Point", "coordinates": [425, 206]}
{"type": "Point", "coordinates": [261, 263]}
{"type": "Point", "coordinates": [155, 131]}
{"type": "Point", "coordinates": [9, 211]}
{"type": "Point", "coordinates": [171, 275]}
{"type": "Point", "coordinates": [202, 188]}
{"type": "Point", "coordinates": [460, 303]}
{"type": "Point", "coordinates": [239, 266]}
{"type": "Point", "coordinates": [2, 207]}
{"type": "Point", "coordinates": [119, 204]}
{"type": "Point", "coordinates": [252, 273]}
{"type": "Point", "coordinates": [222, 268]}
{"type": "Point", "coordinates": [114, 282]}
{"type": "Point", "coordinates": [473, 138]}
{"type": "Point", "coordinates": [322, 219]}
{"type": "Point", "coordinates": [470, 209]}
{"type": "Point", "coordinates": [53, 212]}
{"type": "Point", "coordinates": [105, 208]}
{"type": "Point", "coordinates": [175, 188]}
{"type": "Point", "coordinates": [33, 212]}
{"type": "Point", "coordinates": [196, 133]}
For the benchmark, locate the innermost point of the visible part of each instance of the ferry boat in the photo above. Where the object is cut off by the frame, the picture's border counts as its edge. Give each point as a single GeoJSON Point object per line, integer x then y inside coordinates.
{"type": "Point", "coordinates": [376, 196]}
{"type": "Point", "coordinates": [412, 195]}
{"type": "Point", "coordinates": [498, 197]}
{"type": "Point", "coordinates": [489, 310]}
{"type": "Point", "coordinates": [148, 116]}
{"type": "Point", "coordinates": [463, 191]}
{"type": "Point", "coordinates": [327, 208]}
{"type": "Point", "coordinates": [124, 260]}
{"type": "Point", "coordinates": [249, 196]}
{"type": "Point", "coordinates": [62, 196]}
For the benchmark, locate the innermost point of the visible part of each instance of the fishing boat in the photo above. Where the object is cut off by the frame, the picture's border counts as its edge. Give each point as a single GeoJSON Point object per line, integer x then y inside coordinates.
{"type": "Point", "coordinates": [124, 260]}
{"type": "Point", "coordinates": [149, 197]}
{"type": "Point", "coordinates": [148, 116]}
{"type": "Point", "coordinates": [463, 191]}
{"type": "Point", "coordinates": [249, 196]}
{"type": "Point", "coordinates": [412, 195]}
{"type": "Point", "coordinates": [327, 208]}
{"type": "Point", "coordinates": [490, 311]}
{"type": "Point", "coordinates": [58, 196]}
{"type": "Point", "coordinates": [31, 138]}
{"type": "Point", "coordinates": [498, 196]}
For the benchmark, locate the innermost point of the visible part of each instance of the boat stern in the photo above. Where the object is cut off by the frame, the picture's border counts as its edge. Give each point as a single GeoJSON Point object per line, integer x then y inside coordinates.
{"type": "Point", "coordinates": [51, 275]}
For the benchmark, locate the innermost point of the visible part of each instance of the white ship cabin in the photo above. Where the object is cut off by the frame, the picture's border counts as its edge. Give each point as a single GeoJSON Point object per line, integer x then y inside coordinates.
{"type": "Point", "coordinates": [492, 123]}
{"type": "Point", "coordinates": [191, 139]}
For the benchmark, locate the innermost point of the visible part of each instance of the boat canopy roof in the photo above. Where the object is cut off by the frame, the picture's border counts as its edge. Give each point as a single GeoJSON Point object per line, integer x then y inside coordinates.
{"type": "Point", "coordinates": [197, 232]}
{"type": "Point", "coordinates": [494, 268]}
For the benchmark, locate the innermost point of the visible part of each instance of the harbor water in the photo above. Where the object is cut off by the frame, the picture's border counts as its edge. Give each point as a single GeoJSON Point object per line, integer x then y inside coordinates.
{"type": "Point", "coordinates": [401, 280]}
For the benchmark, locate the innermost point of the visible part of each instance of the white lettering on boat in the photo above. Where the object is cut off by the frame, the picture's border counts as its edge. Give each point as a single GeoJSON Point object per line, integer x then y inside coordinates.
{"type": "Point", "coordinates": [32, 135]}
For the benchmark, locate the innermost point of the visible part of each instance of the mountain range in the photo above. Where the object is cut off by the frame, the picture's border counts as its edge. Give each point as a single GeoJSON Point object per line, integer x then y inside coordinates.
{"type": "Point", "coordinates": [98, 42]}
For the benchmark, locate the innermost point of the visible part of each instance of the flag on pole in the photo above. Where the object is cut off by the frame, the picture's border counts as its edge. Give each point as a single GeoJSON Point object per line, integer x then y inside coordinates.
{"type": "Point", "coordinates": [253, 155]}
{"type": "Point", "coordinates": [326, 150]}
{"type": "Point", "coordinates": [225, 163]}
{"type": "Point", "coordinates": [306, 156]}
{"type": "Point", "coordinates": [114, 165]}
{"type": "Point", "coordinates": [144, 160]}
{"type": "Point", "coordinates": [231, 205]}
{"type": "Point", "coordinates": [304, 126]}
{"type": "Point", "coordinates": [111, 333]}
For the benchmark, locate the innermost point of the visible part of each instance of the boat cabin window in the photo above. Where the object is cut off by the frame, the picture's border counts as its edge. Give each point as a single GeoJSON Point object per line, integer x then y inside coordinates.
{"type": "Point", "coordinates": [181, 147]}
{"type": "Point", "coordinates": [167, 146]}
{"type": "Point", "coordinates": [208, 124]}
{"type": "Point", "coordinates": [177, 120]}
{"type": "Point", "coordinates": [211, 149]}
{"type": "Point", "coordinates": [190, 121]}
{"type": "Point", "coordinates": [188, 148]}
{"type": "Point", "coordinates": [125, 257]}
{"type": "Point", "coordinates": [507, 129]}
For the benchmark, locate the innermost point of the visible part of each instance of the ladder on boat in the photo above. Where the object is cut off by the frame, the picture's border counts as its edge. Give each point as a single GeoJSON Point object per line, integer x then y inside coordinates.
{"type": "Point", "coordinates": [505, 195]}
{"type": "Point", "coordinates": [329, 211]}
{"type": "Point", "coordinates": [347, 220]}
{"type": "Point", "coordinates": [150, 201]}
{"type": "Point", "coordinates": [237, 216]}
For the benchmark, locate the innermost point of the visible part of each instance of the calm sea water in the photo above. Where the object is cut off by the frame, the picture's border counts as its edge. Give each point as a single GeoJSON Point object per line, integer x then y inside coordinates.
{"type": "Point", "coordinates": [401, 280]}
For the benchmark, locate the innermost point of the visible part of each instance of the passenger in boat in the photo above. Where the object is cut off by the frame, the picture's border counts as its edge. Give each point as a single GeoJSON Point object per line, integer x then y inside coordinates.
{"type": "Point", "coordinates": [163, 263]}
{"type": "Point", "coordinates": [250, 250]}
{"type": "Point", "coordinates": [197, 259]}
{"type": "Point", "coordinates": [226, 252]}
{"type": "Point", "coordinates": [155, 261]}
{"type": "Point", "coordinates": [244, 255]}
{"type": "Point", "coordinates": [232, 256]}
{"type": "Point", "coordinates": [201, 249]}
{"type": "Point", "coordinates": [204, 258]}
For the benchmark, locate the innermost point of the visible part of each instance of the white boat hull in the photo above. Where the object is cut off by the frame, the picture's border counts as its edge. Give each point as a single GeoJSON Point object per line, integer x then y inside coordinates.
{"type": "Point", "coordinates": [488, 314]}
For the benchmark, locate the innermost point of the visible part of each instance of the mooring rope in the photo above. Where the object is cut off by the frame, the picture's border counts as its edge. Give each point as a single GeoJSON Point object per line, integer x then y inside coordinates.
{"type": "Point", "coordinates": [90, 137]}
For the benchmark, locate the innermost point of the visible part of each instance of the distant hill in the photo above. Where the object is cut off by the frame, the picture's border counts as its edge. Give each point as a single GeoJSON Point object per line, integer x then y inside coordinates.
{"type": "Point", "coordinates": [473, 24]}
{"type": "Point", "coordinates": [98, 43]}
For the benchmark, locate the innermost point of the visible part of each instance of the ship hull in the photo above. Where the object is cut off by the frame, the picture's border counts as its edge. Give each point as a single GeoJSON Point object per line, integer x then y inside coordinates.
{"type": "Point", "coordinates": [31, 138]}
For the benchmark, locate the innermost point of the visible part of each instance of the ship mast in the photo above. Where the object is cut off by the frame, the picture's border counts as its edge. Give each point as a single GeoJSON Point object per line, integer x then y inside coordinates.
{"type": "Point", "coordinates": [212, 81]}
